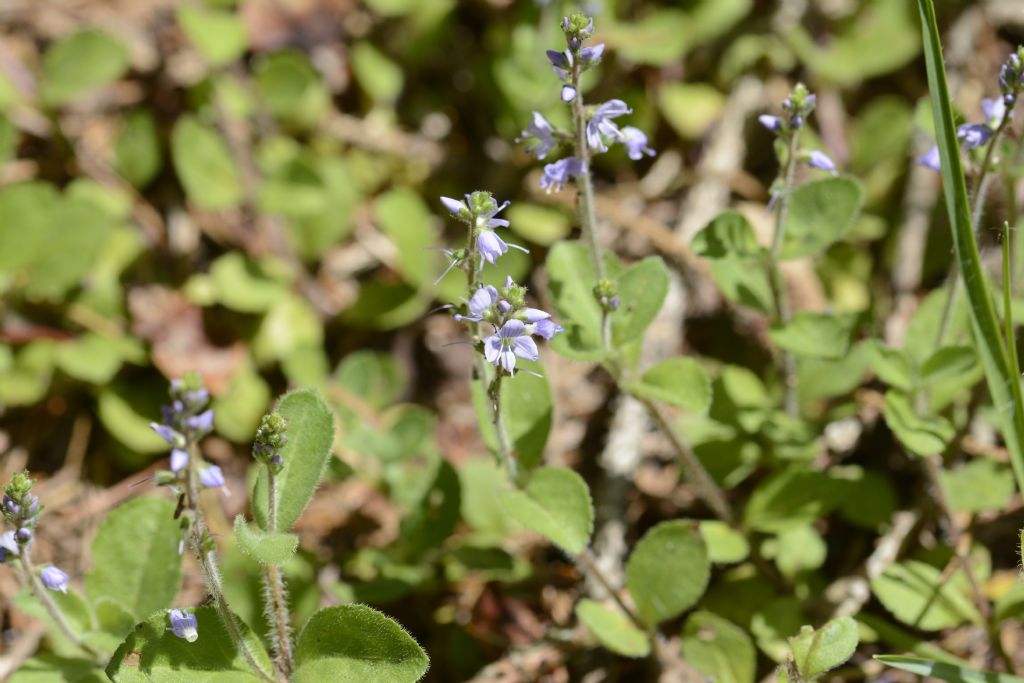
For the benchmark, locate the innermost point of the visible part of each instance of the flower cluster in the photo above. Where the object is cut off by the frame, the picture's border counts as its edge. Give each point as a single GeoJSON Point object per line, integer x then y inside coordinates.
{"type": "Point", "coordinates": [478, 212]}
{"type": "Point", "coordinates": [186, 420]}
{"type": "Point", "coordinates": [21, 509]}
{"type": "Point", "coordinates": [796, 109]}
{"type": "Point", "coordinates": [599, 126]}
{"type": "Point", "coordinates": [270, 441]}
{"type": "Point", "coordinates": [513, 322]}
{"type": "Point", "coordinates": [997, 111]}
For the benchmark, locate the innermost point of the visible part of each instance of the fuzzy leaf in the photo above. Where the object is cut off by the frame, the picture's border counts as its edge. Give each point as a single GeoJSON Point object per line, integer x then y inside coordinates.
{"type": "Point", "coordinates": [155, 655]}
{"type": "Point", "coordinates": [818, 651]}
{"type": "Point", "coordinates": [79, 63]}
{"type": "Point", "coordinates": [135, 555]}
{"type": "Point", "coordinates": [354, 644]}
{"type": "Point", "coordinates": [642, 290]}
{"type": "Point", "coordinates": [556, 504]}
{"type": "Point", "coordinates": [820, 212]}
{"type": "Point", "coordinates": [310, 435]}
{"type": "Point", "coordinates": [920, 435]}
{"type": "Point", "coordinates": [613, 629]}
{"type": "Point", "coordinates": [668, 571]}
{"type": "Point", "coordinates": [719, 649]}
{"type": "Point", "coordinates": [264, 547]}
{"type": "Point", "coordinates": [681, 382]}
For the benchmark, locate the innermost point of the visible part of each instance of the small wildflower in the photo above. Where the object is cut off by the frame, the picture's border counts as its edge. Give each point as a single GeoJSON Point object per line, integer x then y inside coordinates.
{"type": "Point", "coordinates": [168, 434]}
{"type": "Point", "coordinates": [54, 579]}
{"type": "Point", "coordinates": [590, 56]}
{"type": "Point", "coordinates": [201, 423]}
{"type": "Point", "coordinates": [820, 160]}
{"type": "Point", "coordinates": [973, 135]}
{"type": "Point", "coordinates": [183, 624]}
{"type": "Point", "coordinates": [510, 341]}
{"type": "Point", "coordinates": [542, 133]}
{"type": "Point", "coordinates": [456, 207]}
{"type": "Point", "coordinates": [23, 535]}
{"type": "Point", "coordinates": [558, 173]}
{"type": "Point", "coordinates": [931, 159]}
{"type": "Point", "coordinates": [772, 123]}
{"type": "Point", "coordinates": [635, 141]}
{"type": "Point", "coordinates": [212, 477]}
{"type": "Point", "coordinates": [602, 126]}
{"type": "Point", "coordinates": [8, 546]}
{"type": "Point", "coordinates": [995, 111]}
{"type": "Point", "coordinates": [490, 245]}
{"type": "Point", "coordinates": [179, 460]}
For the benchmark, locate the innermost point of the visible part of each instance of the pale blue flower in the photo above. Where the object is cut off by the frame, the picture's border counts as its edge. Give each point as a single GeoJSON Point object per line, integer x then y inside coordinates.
{"type": "Point", "coordinates": [183, 624]}
{"type": "Point", "coordinates": [455, 206]}
{"type": "Point", "coordinates": [542, 133]}
{"type": "Point", "coordinates": [212, 477]}
{"type": "Point", "coordinates": [558, 173]}
{"type": "Point", "coordinates": [931, 159]}
{"type": "Point", "coordinates": [179, 460]}
{"type": "Point", "coordinates": [820, 160]}
{"type": "Point", "coordinates": [509, 342]}
{"type": "Point", "coordinates": [201, 423]}
{"type": "Point", "coordinates": [635, 141]}
{"type": "Point", "coordinates": [973, 135]}
{"type": "Point", "coordinates": [602, 126]}
{"type": "Point", "coordinates": [54, 579]}
{"type": "Point", "coordinates": [168, 434]}
{"type": "Point", "coordinates": [772, 123]}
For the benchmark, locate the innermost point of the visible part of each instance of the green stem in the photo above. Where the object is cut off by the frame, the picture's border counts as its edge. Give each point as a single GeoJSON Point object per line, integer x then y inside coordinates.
{"type": "Point", "coordinates": [584, 182]}
{"type": "Point", "coordinates": [276, 592]}
{"type": "Point", "coordinates": [981, 185]}
{"type": "Point", "coordinates": [211, 572]}
{"type": "Point", "coordinates": [694, 470]}
{"type": "Point", "coordinates": [782, 311]}
{"type": "Point", "coordinates": [51, 607]}
{"type": "Point", "coordinates": [505, 451]}
{"type": "Point", "coordinates": [590, 567]}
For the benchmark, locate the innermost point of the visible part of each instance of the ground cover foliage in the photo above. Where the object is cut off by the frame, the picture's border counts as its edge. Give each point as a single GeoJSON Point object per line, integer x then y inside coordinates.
{"type": "Point", "coordinates": [505, 340]}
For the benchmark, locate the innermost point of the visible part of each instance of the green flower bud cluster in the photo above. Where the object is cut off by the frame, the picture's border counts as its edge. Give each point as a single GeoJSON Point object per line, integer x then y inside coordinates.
{"type": "Point", "coordinates": [270, 441]}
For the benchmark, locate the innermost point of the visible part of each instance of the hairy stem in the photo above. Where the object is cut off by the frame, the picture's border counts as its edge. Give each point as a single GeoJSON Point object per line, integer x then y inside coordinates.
{"type": "Point", "coordinates": [588, 220]}
{"type": "Point", "coordinates": [782, 311]}
{"type": "Point", "coordinates": [694, 470]}
{"type": "Point", "coordinates": [211, 572]}
{"type": "Point", "coordinates": [589, 565]}
{"type": "Point", "coordinates": [275, 592]}
{"type": "Point", "coordinates": [505, 451]}
{"type": "Point", "coordinates": [55, 612]}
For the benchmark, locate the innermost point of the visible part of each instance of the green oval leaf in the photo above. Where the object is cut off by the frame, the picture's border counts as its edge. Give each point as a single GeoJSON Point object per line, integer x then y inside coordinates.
{"type": "Point", "coordinates": [668, 571]}
{"type": "Point", "coordinates": [135, 555]}
{"type": "Point", "coordinates": [79, 63]}
{"type": "Point", "coordinates": [556, 504]}
{"type": "Point", "coordinates": [205, 166]}
{"type": "Point", "coordinates": [310, 435]}
{"type": "Point", "coordinates": [354, 644]}
{"type": "Point", "coordinates": [820, 212]}
{"type": "Point", "coordinates": [681, 382]}
{"type": "Point", "coordinates": [818, 651]}
{"type": "Point", "coordinates": [155, 655]}
{"type": "Point", "coordinates": [613, 629]}
{"type": "Point", "coordinates": [263, 547]}
{"type": "Point", "coordinates": [920, 435]}
{"type": "Point", "coordinates": [642, 290]}
{"type": "Point", "coordinates": [719, 649]}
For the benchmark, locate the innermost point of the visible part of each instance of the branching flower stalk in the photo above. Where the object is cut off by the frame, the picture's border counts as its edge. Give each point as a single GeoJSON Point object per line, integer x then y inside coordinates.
{"type": "Point", "coordinates": [269, 442]}
{"type": "Point", "coordinates": [185, 422]}
{"type": "Point", "coordinates": [21, 509]}
{"type": "Point", "coordinates": [593, 131]}
{"type": "Point", "coordinates": [514, 323]}
{"type": "Point", "coordinates": [796, 110]}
